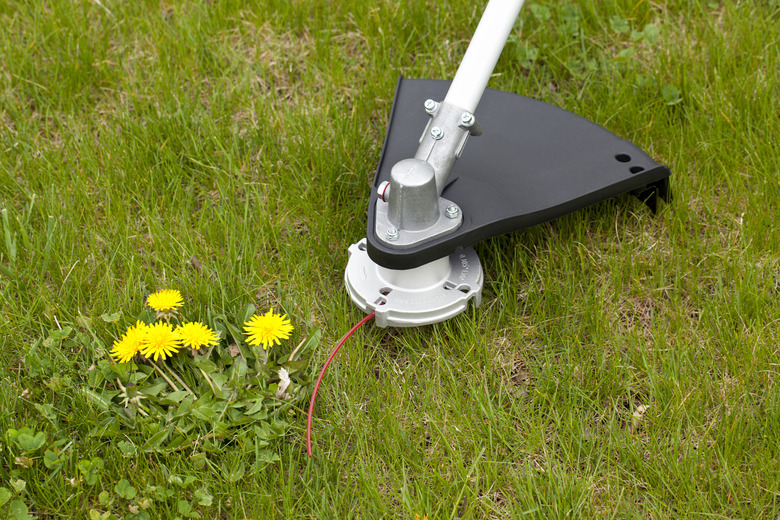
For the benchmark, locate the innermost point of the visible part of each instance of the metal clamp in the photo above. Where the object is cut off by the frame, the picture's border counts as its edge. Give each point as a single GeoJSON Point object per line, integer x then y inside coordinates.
{"type": "Point", "coordinates": [444, 138]}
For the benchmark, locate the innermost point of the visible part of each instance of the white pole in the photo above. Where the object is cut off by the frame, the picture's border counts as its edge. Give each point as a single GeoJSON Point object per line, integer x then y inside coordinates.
{"type": "Point", "coordinates": [482, 54]}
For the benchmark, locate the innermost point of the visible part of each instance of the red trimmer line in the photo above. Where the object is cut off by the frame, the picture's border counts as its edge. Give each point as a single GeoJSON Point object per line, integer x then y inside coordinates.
{"type": "Point", "coordinates": [322, 373]}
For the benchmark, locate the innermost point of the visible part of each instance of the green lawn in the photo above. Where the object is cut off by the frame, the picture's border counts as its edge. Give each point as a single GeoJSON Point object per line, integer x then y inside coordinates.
{"type": "Point", "coordinates": [622, 365]}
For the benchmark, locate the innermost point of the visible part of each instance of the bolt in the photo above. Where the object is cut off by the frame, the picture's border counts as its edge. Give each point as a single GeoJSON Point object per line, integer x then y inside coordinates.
{"type": "Point", "coordinates": [452, 211]}
{"type": "Point", "coordinates": [437, 133]}
{"type": "Point", "coordinates": [467, 119]}
{"type": "Point", "coordinates": [430, 106]}
{"type": "Point", "coordinates": [392, 234]}
{"type": "Point", "coordinates": [383, 191]}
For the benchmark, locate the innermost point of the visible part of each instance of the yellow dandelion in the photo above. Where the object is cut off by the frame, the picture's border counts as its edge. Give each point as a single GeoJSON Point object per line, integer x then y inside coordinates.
{"type": "Point", "coordinates": [160, 341]}
{"type": "Point", "coordinates": [126, 348]}
{"type": "Point", "coordinates": [196, 335]}
{"type": "Point", "coordinates": [266, 329]}
{"type": "Point", "coordinates": [166, 300]}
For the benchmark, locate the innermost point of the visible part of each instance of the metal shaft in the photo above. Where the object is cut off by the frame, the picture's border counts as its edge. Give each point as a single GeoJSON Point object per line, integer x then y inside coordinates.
{"type": "Point", "coordinates": [482, 54]}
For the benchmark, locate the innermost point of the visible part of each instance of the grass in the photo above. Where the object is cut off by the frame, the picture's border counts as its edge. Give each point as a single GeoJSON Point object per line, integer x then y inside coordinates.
{"type": "Point", "coordinates": [140, 139]}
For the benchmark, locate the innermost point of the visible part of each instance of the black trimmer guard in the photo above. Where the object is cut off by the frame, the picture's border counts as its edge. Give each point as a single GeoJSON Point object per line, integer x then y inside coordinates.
{"type": "Point", "coordinates": [533, 163]}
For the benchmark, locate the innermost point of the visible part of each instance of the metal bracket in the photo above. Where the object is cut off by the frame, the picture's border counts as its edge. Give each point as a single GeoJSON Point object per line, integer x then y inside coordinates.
{"type": "Point", "coordinates": [449, 219]}
{"type": "Point", "coordinates": [444, 138]}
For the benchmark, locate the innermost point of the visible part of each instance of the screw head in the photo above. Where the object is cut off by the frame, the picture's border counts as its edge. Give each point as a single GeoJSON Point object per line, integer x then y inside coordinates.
{"type": "Point", "coordinates": [392, 234]}
{"type": "Point", "coordinates": [437, 133]}
{"type": "Point", "coordinates": [430, 105]}
{"type": "Point", "coordinates": [467, 119]}
{"type": "Point", "coordinates": [452, 211]}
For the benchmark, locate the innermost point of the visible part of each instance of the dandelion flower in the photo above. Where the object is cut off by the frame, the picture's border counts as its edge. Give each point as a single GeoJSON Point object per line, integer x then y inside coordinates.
{"type": "Point", "coordinates": [196, 335]}
{"type": "Point", "coordinates": [166, 300]}
{"type": "Point", "coordinates": [126, 348]}
{"type": "Point", "coordinates": [266, 329]}
{"type": "Point", "coordinates": [160, 341]}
